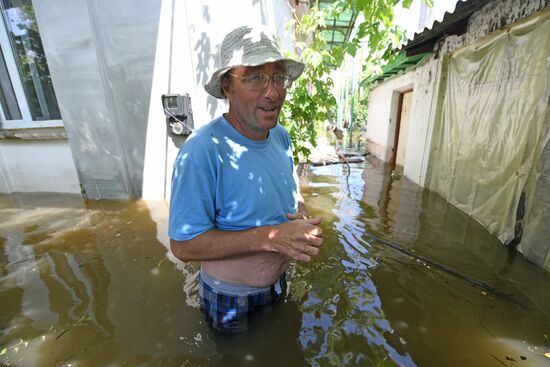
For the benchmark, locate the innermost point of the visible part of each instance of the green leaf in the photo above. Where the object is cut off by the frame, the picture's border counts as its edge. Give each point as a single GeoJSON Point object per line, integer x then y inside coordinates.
{"type": "Point", "coordinates": [352, 49]}
{"type": "Point", "coordinates": [361, 4]}
{"type": "Point", "coordinates": [311, 101]}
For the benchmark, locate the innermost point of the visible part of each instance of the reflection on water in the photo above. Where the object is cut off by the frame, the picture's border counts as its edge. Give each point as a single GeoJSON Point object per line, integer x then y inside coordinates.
{"type": "Point", "coordinates": [92, 284]}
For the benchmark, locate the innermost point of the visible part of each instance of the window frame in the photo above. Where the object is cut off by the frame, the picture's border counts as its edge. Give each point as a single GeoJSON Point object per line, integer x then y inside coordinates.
{"type": "Point", "coordinates": [26, 122]}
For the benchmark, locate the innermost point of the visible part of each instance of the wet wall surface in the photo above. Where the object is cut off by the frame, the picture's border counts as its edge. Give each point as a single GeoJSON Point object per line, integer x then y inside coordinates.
{"type": "Point", "coordinates": [101, 58]}
{"type": "Point", "coordinates": [92, 284]}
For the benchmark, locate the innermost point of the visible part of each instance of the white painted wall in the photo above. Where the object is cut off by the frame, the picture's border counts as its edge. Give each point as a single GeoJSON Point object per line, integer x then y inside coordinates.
{"type": "Point", "coordinates": [383, 102]}
{"type": "Point", "coordinates": [423, 114]}
{"type": "Point", "coordinates": [186, 65]}
{"type": "Point", "coordinates": [37, 166]}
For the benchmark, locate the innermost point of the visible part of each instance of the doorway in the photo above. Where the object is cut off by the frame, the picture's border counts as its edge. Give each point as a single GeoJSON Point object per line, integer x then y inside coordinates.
{"type": "Point", "coordinates": [402, 129]}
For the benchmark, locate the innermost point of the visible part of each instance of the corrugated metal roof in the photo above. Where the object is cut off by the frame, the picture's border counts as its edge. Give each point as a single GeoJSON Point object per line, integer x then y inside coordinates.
{"type": "Point", "coordinates": [401, 63]}
{"type": "Point", "coordinates": [454, 23]}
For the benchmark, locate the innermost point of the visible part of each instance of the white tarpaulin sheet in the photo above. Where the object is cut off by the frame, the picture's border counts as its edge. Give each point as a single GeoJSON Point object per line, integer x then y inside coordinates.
{"type": "Point", "coordinates": [491, 143]}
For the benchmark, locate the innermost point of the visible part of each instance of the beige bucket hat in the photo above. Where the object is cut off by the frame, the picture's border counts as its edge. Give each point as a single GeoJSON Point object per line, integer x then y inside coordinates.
{"type": "Point", "coordinates": [247, 46]}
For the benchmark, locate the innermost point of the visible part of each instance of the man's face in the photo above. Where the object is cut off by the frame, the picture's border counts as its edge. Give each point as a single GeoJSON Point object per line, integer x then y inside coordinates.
{"type": "Point", "coordinates": [254, 112]}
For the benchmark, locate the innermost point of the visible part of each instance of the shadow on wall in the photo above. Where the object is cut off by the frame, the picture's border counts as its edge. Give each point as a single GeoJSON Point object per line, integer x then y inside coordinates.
{"type": "Point", "coordinates": [204, 56]}
{"type": "Point", "coordinates": [102, 64]}
{"type": "Point", "coordinates": [203, 50]}
{"type": "Point", "coordinates": [206, 14]}
{"type": "Point", "coordinates": [102, 168]}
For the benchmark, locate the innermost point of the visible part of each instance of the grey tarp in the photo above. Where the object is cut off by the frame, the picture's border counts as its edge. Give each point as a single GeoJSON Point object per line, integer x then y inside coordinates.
{"type": "Point", "coordinates": [491, 140]}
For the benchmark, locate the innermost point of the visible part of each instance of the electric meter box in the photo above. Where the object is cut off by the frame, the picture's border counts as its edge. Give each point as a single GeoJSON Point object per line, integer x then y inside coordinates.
{"type": "Point", "coordinates": [179, 115]}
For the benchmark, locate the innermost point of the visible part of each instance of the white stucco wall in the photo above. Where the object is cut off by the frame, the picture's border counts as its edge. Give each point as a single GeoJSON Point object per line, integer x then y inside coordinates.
{"type": "Point", "coordinates": [37, 166]}
{"type": "Point", "coordinates": [427, 78]}
{"type": "Point", "coordinates": [382, 116]}
{"type": "Point", "coordinates": [383, 103]}
{"type": "Point", "coordinates": [186, 65]}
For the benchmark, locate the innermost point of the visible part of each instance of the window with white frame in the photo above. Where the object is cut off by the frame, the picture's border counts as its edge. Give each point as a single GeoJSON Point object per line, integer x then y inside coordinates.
{"type": "Point", "coordinates": [27, 97]}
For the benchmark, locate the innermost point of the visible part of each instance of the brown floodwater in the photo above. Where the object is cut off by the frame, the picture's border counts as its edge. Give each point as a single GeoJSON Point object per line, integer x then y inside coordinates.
{"type": "Point", "coordinates": [93, 284]}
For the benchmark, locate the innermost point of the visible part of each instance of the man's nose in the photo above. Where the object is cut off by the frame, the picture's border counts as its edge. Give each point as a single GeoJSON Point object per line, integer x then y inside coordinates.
{"type": "Point", "coordinates": [271, 91]}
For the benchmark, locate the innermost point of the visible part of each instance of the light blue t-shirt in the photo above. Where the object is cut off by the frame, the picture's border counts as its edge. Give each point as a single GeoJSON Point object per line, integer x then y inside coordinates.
{"type": "Point", "coordinates": [223, 180]}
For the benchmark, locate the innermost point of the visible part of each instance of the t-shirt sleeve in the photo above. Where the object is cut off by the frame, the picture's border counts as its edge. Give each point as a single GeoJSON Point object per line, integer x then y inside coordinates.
{"type": "Point", "coordinates": [288, 147]}
{"type": "Point", "coordinates": [294, 169]}
{"type": "Point", "coordinates": [192, 202]}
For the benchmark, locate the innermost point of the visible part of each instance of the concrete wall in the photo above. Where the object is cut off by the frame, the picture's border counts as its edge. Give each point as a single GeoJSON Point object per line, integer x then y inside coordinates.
{"type": "Point", "coordinates": [46, 165]}
{"type": "Point", "coordinates": [497, 15]}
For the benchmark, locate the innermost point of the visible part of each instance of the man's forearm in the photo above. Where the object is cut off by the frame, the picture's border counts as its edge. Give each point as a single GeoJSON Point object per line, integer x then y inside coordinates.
{"type": "Point", "coordinates": [217, 244]}
{"type": "Point", "coordinates": [298, 239]}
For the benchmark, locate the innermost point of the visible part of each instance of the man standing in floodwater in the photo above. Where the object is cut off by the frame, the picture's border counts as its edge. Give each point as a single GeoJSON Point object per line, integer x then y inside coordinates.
{"type": "Point", "coordinates": [234, 204]}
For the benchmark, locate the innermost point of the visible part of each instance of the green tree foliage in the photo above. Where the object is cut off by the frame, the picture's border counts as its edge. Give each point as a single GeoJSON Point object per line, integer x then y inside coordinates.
{"type": "Point", "coordinates": [361, 113]}
{"type": "Point", "coordinates": [310, 101]}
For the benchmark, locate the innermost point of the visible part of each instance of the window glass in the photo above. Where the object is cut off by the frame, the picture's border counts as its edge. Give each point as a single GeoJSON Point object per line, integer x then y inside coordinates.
{"type": "Point", "coordinates": [8, 101]}
{"type": "Point", "coordinates": [26, 45]}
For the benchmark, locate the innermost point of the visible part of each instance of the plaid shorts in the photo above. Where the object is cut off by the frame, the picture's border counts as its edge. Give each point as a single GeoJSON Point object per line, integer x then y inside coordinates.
{"type": "Point", "coordinates": [227, 307]}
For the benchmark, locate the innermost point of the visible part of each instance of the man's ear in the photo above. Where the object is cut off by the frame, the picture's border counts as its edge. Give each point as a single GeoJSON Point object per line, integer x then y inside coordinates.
{"type": "Point", "coordinates": [226, 87]}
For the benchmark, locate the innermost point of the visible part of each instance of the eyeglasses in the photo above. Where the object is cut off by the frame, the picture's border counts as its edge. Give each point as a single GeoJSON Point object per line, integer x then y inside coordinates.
{"type": "Point", "coordinates": [259, 81]}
